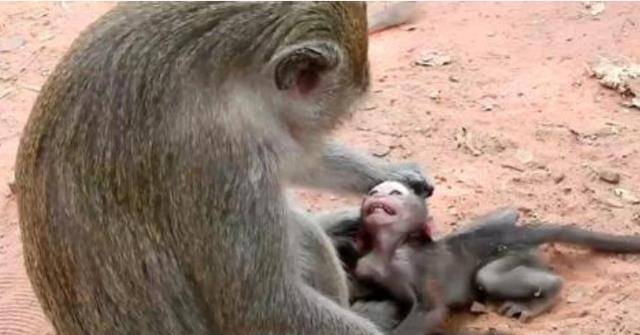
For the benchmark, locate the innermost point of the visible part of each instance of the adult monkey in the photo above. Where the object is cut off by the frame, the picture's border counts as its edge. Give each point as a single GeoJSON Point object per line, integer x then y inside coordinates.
{"type": "Point", "coordinates": [151, 171]}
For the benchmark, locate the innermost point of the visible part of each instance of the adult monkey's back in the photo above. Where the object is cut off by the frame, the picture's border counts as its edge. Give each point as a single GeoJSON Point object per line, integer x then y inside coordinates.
{"type": "Point", "coordinates": [151, 170]}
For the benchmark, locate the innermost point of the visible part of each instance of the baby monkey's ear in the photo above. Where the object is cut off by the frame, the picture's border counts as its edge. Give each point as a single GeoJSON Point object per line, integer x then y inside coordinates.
{"type": "Point", "coordinates": [422, 189]}
{"type": "Point", "coordinates": [302, 66]}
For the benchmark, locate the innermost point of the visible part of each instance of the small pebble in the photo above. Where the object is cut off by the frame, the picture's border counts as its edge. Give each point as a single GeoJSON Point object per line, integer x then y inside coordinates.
{"type": "Point", "coordinates": [8, 44]}
{"type": "Point", "coordinates": [627, 196]}
{"type": "Point", "coordinates": [609, 176]}
{"type": "Point", "coordinates": [478, 308]}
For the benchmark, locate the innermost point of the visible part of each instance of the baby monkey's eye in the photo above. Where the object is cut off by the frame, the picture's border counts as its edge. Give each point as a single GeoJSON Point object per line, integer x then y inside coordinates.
{"type": "Point", "coordinates": [395, 192]}
{"type": "Point", "coordinates": [372, 192]}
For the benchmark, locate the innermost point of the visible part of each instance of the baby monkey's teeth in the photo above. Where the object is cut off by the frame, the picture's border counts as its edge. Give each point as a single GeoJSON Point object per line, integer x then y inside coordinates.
{"type": "Point", "coordinates": [378, 206]}
{"type": "Point", "coordinates": [374, 207]}
{"type": "Point", "coordinates": [389, 210]}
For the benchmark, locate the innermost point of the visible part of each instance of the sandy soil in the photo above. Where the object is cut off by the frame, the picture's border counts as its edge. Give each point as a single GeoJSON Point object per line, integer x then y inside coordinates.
{"type": "Point", "coordinates": [514, 119]}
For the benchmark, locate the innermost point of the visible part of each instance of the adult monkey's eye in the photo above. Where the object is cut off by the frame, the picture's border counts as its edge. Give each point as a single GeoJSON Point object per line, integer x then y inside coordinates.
{"type": "Point", "coordinates": [395, 192]}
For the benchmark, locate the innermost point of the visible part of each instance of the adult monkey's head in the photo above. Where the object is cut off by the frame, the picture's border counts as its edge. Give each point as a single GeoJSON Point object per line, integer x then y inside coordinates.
{"type": "Point", "coordinates": [320, 65]}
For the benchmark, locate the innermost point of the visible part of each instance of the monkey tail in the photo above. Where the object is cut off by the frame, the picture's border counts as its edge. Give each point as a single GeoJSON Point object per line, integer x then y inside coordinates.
{"type": "Point", "coordinates": [599, 241]}
{"type": "Point", "coordinates": [464, 332]}
{"type": "Point", "coordinates": [393, 15]}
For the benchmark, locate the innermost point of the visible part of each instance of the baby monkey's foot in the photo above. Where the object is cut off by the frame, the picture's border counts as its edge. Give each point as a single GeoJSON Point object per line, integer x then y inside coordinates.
{"type": "Point", "coordinates": [525, 311]}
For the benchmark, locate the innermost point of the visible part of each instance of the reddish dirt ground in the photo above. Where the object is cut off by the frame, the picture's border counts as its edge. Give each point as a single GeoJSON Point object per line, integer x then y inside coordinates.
{"type": "Point", "coordinates": [537, 132]}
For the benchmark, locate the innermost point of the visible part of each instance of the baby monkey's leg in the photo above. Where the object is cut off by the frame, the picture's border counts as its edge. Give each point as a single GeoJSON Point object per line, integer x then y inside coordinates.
{"type": "Point", "coordinates": [420, 321]}
{"type": "Point", "coordinates": [526, 287]}
{"type": "Point", "coordinates": [384, 314]}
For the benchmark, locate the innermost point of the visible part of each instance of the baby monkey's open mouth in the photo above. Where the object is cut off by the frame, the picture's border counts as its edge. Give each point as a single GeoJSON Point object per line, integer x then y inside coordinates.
{"type": "Point", "coordinates": [379, 206]}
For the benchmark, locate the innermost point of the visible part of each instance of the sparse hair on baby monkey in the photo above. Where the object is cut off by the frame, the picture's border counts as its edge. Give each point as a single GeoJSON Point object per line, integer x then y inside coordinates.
{"type": "Point", "coordinates": [151, 172]}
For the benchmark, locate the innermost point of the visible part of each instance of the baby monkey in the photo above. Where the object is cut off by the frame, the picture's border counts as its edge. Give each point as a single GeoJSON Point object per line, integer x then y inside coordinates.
{"type": "Point", "coordinates": [494, 258]}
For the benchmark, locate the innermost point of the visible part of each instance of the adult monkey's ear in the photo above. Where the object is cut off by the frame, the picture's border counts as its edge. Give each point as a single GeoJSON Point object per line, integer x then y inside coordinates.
{"type": "Point", "coordinates": [302, 66]}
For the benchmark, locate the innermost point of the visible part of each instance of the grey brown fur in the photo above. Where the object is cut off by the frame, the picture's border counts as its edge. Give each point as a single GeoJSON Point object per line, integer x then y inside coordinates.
{"type": "Point", "coordinates": [151, 172]}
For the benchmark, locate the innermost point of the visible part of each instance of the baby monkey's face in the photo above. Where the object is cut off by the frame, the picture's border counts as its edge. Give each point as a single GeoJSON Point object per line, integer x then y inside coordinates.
{"type": "Point", "coordinates": [391, 212]}
{"type": "Point", "coordinates": [391, 205]}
